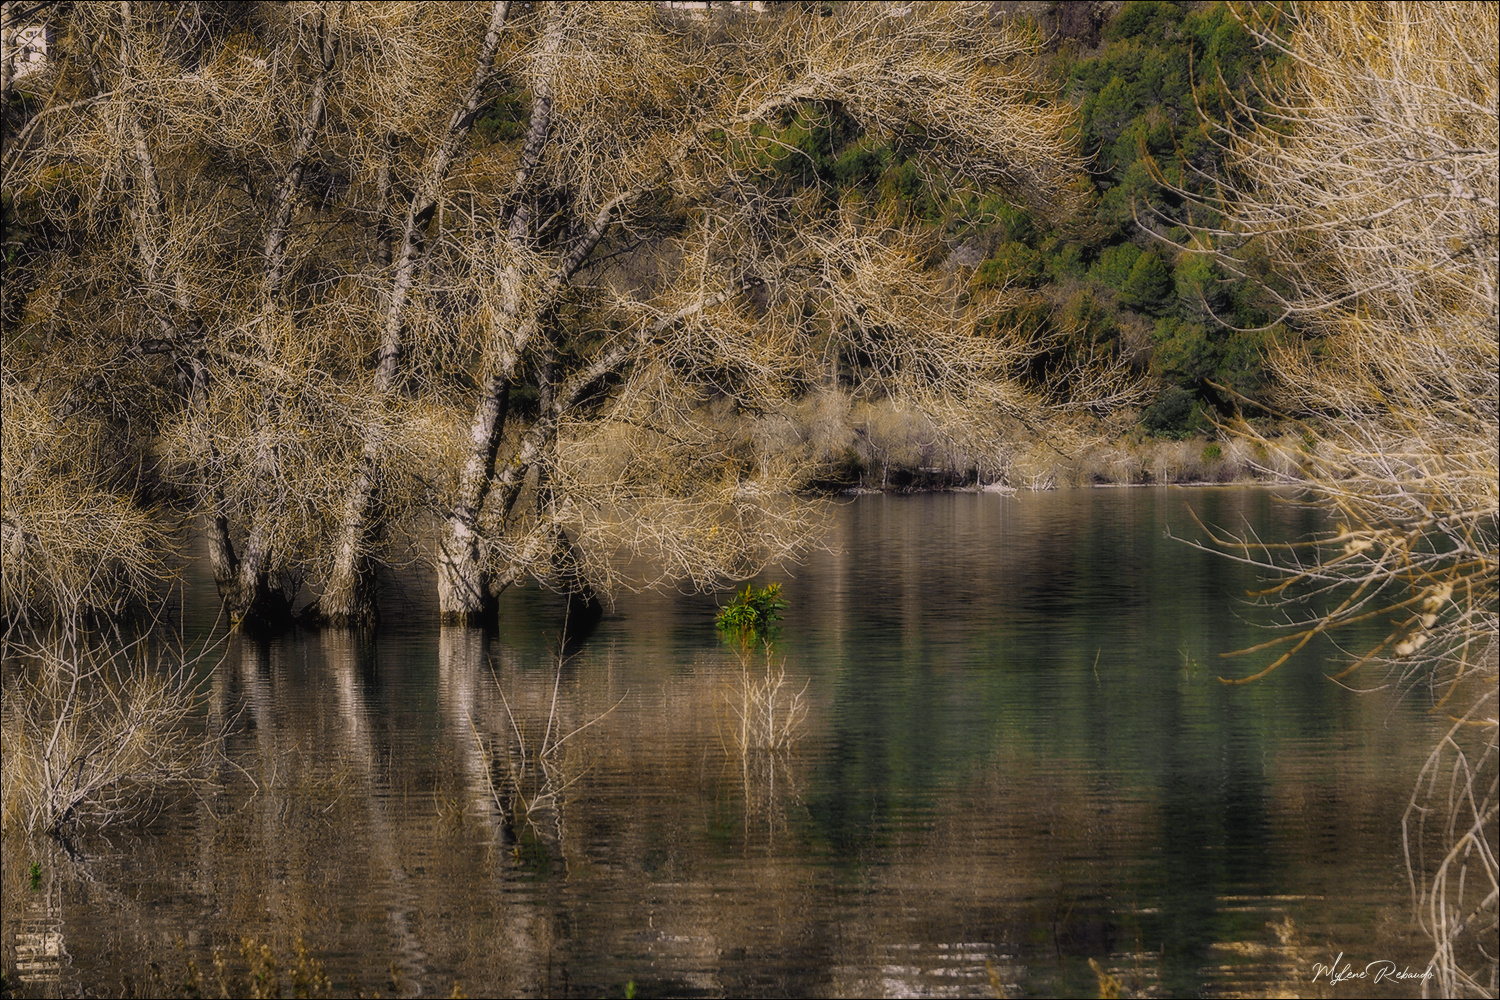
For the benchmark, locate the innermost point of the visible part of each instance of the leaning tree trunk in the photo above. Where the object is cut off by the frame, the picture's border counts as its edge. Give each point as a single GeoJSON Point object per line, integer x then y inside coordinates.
{"type": "Point", "coordinates": [464, 585]}
{"type": "Point", "coordinates": [244, 585]}
{"type": "Point", "coordinates": [463, 589]}
{"type": "Point", "coordinates": [465, 595]}
{"type": "Point", "coordinates": [348, 598]}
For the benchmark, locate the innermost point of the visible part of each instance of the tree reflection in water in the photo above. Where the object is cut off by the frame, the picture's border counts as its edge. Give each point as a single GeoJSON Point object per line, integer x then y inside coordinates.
{"type": "Point", "coordinates": [1005, 771]}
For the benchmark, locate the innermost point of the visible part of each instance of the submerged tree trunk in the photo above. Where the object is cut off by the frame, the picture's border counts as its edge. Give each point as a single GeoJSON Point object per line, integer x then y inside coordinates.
{"type": "Point", "coordinates": [260, 595]}
{"type": "Point", "coordinates": [243, 583]}
{"type": "Point", "coordinates": [466, 585]}
{"type": "Point", "coordinates": [263, 592]}
{"type": "Point", "coordinates": [463, 590]}
{"type": "Point", "coordinates": [348, 598]}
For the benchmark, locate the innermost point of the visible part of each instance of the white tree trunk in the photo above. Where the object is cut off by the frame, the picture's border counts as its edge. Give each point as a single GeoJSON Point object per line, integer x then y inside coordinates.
{"type": "Point", "coordinates": [463, 591]}
{"type": "Point", "coordinates": [347, 599]}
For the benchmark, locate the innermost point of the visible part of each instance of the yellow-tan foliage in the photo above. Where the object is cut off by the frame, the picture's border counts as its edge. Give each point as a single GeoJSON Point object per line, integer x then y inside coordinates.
{"type": "Point", "coordinates": [74, 538]}
{"type": "Point", "coordinates": [1371, 186]}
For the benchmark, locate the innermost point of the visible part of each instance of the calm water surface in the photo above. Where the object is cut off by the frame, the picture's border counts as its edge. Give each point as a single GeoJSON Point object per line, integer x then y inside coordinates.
{"type": "Point", "coordinates": [1016, 759]}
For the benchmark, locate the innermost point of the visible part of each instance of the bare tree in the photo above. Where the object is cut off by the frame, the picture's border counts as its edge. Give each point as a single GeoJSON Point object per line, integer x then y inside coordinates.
{"type": "Point", "coordinates": [97, 734]}
{"type": "Point", "coordinates": [219, 186]}
{"type": "Point", "coordinates": [1370, 185]}
{"type": "Point", "coordinates": [345, 298]}
{"type": "Point", "coordinates": [641, 260]}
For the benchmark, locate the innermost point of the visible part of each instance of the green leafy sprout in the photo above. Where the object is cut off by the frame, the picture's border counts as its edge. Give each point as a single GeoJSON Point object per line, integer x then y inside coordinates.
{"type": "Point", "coordinates": [752, 614]}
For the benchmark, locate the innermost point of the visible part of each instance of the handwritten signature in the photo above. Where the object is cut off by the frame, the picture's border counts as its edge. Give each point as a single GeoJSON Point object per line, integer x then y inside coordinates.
{"type": "Point", "coordinates": [1380, 971]}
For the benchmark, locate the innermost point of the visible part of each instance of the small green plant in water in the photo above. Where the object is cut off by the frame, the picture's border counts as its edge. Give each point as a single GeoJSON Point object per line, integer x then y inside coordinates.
{"type": "Point", "coordinates": [35, 875]}
{"type": "Point", "coordinates": [752, 614]}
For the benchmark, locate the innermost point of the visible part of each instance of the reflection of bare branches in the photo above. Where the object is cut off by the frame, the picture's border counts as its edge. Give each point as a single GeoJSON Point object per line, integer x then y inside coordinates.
{"type": "Point", "coordinates": [762, 714]}
{"type": "Point", "coordinates": [771, 788]}
{"type": "Point", "coordinates": [761, 717]}
{"type": "Point", "coordinates": [537, 769]}
{"type": "Point", "coordinates": [1456, 903]}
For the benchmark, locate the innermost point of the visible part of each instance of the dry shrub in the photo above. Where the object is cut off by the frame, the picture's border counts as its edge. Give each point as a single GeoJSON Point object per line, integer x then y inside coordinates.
{"type": "Point", "coordinates": [257, 968]}
{"type": "Point", "coordinates": [1280, 457]}
{"type": "Point", "coordinates": [1036, 466]}
{"type": "Point", "coordinates": [761, 712]}
{"type": "Point", "coordinates": [833, 435]}
{"type": "Point", "coordinates": [74, 540]}
{"type": "Point", "coordinates": [96, 735]}
{"type": "Point", "coordinates": [1120, 465]}
{"type": "Point", "coordinates": [828, 426]}
{"type": "Point", "coordinates": [1242, 458]}
{"type": "Point", "coordinates": [1177, 461]}
{"type": "Point", "coordinates": [1127, 460]}
{"type": "Point", "coordinates": [894, 434]}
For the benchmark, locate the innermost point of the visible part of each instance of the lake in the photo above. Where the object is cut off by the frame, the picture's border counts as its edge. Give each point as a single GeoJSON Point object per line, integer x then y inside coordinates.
{"type": "Point", "coordinates": [1007, 768]}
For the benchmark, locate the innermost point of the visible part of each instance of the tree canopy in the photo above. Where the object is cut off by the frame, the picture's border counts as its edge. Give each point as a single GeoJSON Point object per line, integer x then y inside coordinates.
{"type": "Point", "coordinates": [328, 270]}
